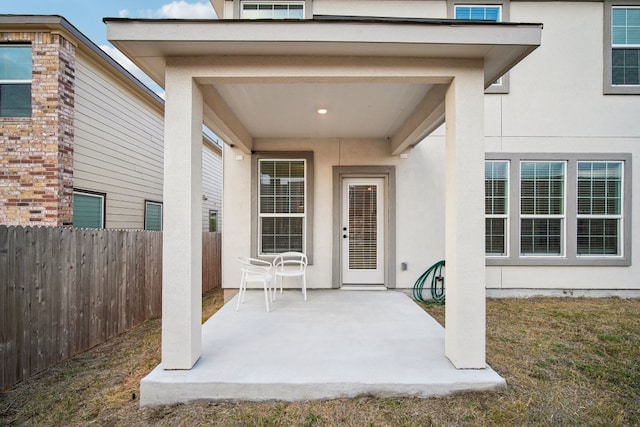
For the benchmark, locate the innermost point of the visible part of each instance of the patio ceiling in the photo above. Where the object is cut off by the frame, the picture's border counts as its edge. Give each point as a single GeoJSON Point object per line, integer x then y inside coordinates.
{"type": "Point", "coordinates": [244, 106]}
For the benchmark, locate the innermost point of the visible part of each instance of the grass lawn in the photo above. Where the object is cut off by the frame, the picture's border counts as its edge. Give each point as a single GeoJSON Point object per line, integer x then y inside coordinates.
{"type": "Point", "coordinates": [566, 362]}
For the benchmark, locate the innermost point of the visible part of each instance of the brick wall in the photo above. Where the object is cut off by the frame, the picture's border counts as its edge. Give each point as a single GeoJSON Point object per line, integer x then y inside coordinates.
{"type": "Point", "coordinates": [36, 153]}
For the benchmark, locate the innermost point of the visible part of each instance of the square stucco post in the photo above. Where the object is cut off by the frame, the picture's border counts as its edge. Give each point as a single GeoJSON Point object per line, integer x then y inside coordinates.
{"type": "Point", "coordinates": [182, 228]}
{"type": "Point", "coordinates": [464, 223]}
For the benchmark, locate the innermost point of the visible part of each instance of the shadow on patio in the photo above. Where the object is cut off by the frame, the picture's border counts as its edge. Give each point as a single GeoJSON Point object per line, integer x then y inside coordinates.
{"type": "Point", "coordinates": [337, 344]}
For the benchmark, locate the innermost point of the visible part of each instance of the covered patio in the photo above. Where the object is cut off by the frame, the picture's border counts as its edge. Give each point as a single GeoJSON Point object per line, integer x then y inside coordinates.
{"type": "Point", "coordinates": [386, 85]}
{"type": "Point", "coordinates": [336, 344]}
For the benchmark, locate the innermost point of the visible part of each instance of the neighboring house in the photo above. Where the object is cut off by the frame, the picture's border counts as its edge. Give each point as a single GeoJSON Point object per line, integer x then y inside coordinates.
{"type": "Point", "coordinates": [379, 137]}
{"type": "Point", "coordinates": [82, 139]}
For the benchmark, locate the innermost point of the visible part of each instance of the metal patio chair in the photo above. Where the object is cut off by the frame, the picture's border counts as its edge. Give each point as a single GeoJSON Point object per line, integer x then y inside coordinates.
{"type": "Point", "coordinates": [290, 264]}
{"type": "Point", "coordinates": [254, 271]}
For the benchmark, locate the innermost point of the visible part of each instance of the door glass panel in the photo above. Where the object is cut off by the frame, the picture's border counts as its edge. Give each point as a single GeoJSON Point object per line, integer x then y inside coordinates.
{"type": "Point", "coordinates": [363, 226]}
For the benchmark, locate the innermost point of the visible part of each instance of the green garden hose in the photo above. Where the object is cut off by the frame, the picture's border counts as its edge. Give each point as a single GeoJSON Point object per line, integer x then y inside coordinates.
{"type": "Point", "coordinates": [437, 285]}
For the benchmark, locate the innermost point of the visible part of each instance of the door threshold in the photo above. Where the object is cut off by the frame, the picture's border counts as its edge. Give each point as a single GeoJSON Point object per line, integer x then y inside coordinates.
{"type": "Point", "coordinates": [363, 288]}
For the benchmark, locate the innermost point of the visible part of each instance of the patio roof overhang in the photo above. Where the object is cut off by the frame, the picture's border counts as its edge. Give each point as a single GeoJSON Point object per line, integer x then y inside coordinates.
{"type": "Point", "coordinates": [266, 79]}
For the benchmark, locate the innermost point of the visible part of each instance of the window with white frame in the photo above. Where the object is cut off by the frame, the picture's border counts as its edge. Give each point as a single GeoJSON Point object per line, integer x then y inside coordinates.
{"type": "Point", "coordinates": [88, 209]}
{"type": "Point", "coordinates": [272, 10]}
{"type": "Point", "coordinates": [15, 80]}
{"type": "Point", "coordinates": [152, 216]}
{"type": "Point", "coordinates": [599, 201]}
{"type": "Point", "coordinates": [542, 198]}
{"type": "Point", "coordinates": [496, 187]}
{"type": "Point", "coordinates": [572, 209]}
{"type": "Point", "coordinates": [281, 205]}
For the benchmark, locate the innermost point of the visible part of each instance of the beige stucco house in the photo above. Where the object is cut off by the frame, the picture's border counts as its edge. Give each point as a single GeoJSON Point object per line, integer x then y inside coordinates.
{"type": "Point", "coordinates": [381, 136]}
{"type": "Point", "coordinates": [386, 85]}
{"type": "Point", "coordinates": [82, 138]}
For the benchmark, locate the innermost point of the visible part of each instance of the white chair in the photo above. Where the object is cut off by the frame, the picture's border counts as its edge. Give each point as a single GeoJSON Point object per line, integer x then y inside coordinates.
{"type": "Point", "coordinates": [254, 270]}
{"type": "Point", "coordinates": [290, 264]}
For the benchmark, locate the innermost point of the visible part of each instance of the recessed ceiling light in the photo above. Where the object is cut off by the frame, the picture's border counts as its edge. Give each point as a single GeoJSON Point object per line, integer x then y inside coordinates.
{"type": "Point", "coordinates": [322, 111]}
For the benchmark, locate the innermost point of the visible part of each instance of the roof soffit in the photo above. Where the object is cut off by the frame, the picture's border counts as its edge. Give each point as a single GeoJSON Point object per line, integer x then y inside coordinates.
{"type": "Point", "coordinates": [268, 78]}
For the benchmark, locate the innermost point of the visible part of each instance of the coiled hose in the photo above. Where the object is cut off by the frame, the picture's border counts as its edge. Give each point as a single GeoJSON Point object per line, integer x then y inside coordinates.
{"type": "Point", "coordinates": [436, 285]}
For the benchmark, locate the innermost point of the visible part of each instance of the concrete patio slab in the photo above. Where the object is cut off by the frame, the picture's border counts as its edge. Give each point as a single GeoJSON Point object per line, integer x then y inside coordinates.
{"type": "Point", "coordinates": [336, 344]}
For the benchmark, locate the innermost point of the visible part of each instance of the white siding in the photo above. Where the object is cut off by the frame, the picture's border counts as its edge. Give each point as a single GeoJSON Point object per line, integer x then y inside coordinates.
{"type": "Point", "coordinates": [211, 184]}
{"type": "Point", "coordinates": [118, 145]}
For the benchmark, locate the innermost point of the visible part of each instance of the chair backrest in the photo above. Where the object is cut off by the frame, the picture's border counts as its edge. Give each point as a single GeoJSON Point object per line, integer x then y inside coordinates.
{"type": "Point", "coordinates": [290, 261]}
{"type": "Point", "coordinates": [254, 266]}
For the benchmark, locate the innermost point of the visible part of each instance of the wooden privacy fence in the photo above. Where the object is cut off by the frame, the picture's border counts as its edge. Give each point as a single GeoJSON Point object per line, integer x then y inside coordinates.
{"type": "Point", "coordinates": [65, 290]}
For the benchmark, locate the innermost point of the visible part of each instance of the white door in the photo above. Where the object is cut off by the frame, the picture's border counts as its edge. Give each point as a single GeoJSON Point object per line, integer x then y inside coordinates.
{"type": "Point", "coordinates": [362, 231]}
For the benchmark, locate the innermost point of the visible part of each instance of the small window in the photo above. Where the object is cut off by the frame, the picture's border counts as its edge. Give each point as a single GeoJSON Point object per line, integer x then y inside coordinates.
{"type": "Point", "coordinates": [622, 47]}
{"type": "Point", "coordinates": [542, 193]}
{"type": "Point", "coordinates": [15, 80]}
{"type": "Point", "coordinates": [281, 205]}
{"type": "Point", "coordinates": [272, 10]}
{"type": "Point", "coordinates": [599, 201]}
{"type": "Point", "coordinates": [625, 43]}
{"type": "Point", "coordinates": [153, 216]}
{"type": "Point", "coordinates": [213, 221]}
{"type": "Point", "coordinates": [496, 188]}
{"type": "Point", "coordinates": [478, 13]}
{"type": "Point", "coordinates": [88, 209]}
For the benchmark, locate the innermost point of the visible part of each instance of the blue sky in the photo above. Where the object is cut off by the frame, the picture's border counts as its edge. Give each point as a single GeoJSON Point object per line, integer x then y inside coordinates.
{"type": "Point", "coordinates": [86, 16]}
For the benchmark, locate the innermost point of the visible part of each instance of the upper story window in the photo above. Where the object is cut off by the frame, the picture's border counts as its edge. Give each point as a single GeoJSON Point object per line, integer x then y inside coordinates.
{"type": "Point", "coordinates": [622, 47]}
{"type": "Point", "coordinates": [479, 13]}
{"type": "Point", "coordinates": [479, 10]}
{"type": "Point", "coordinates": [15, 80]}
{"type": "Point", "coordinates": [625, 44]}
{"type": "Point", "coordinates": [272, 10]}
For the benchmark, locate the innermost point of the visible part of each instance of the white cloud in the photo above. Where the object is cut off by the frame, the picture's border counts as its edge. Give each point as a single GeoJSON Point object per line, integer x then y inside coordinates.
{"type": "Point", "coordinates": [180, 10]}
{"type": "Point", "coordinates": [183, 10]}
{"type": "Point", "coordinates": [128, 65]}
{"type": "Point", "coordinates": [123, 13]}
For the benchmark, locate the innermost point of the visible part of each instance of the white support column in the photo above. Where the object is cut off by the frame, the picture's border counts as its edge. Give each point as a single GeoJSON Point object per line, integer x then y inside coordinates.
{"type": "Point", "coordinates": [182, 231]}
{"type": "Point", "coordinates": [464, 224]}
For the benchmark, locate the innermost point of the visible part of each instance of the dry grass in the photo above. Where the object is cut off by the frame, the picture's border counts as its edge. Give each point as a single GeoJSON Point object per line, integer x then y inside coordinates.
{"type": "Point", "coordinates": [566, 362]}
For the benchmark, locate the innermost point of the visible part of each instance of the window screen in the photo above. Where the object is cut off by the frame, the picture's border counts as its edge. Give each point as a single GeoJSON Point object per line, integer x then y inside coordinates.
{"type": "Point", "coordinates": [153, 216]}
{"type": "Point", "coordinates": [88, 210]}
{"type": "Point", "coordinates": [15, 81]}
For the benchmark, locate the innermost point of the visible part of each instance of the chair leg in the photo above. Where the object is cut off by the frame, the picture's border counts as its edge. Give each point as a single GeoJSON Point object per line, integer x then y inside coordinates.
{"type": "Point", "coordinates": [240, 293]}
{"type": "Point", "coordinates": [266, 294]}
{"type": "Point", "coordinates": [274, 288]}
{"type": "Point", "coordinates": [304, 286]}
